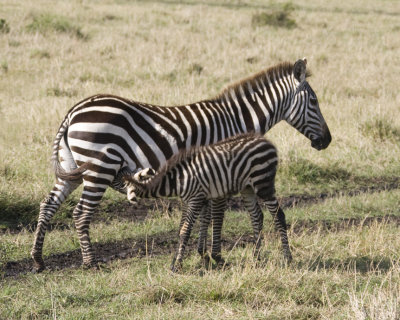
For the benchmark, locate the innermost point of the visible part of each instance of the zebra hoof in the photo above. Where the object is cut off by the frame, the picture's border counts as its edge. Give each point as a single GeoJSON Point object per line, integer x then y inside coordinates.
{"type": "Point", "coordinates": [38, 269]}
{"type": "Point", "coordinates": [91, 266]}
{"type": "Point", "coordinates": [288, 258]}
{"type": "Point", "coordinates": [176, 266]}
{"type": "Point", "coordinates": [38, 266]}
{"type": "Point", "coordinates": [206, 261]}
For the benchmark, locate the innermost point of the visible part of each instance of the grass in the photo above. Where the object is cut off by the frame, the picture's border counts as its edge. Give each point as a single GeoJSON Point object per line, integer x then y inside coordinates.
{"type": "Point", "coordinates": [278, 17]}
{"type": "Point", "coordinates": [381, 129]}
{"type": "Point", "coordinates": [336, 274]}
{"type": "Point", "coordinates": [169, 53]}
{"type": "Point", "coordinates": [46, 22]}
{"type": "Point", "coordinates": [4, 27]}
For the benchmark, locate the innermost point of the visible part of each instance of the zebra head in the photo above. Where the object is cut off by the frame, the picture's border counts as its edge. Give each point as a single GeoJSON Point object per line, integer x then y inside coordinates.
{"type": "Point", "coordinates": [139, 176]}
{"type": "Point", "coordinates": [303, 112]}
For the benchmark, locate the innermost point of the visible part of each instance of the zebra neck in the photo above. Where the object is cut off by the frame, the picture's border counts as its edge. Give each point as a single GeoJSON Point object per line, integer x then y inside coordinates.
{"type": "Point", "coordinates": [258, 103]}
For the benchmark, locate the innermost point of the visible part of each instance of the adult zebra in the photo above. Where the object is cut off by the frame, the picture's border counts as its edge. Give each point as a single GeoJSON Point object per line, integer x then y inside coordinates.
{"type": "Point", "coordinates": [103, 134]}
{"type": "Point", "coordinates": [245, 163]}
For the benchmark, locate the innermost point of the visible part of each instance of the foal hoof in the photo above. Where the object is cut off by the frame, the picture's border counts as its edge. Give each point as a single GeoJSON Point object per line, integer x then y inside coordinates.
{"type": "Point", "coordinates": [206, 262]}
{"type": "Point", "coordinates": [91, 266]}
{"type": "Point", "coordinates": [288, 258]}
{"type": "Point", "coordinates": [221, 263]}
{"type": "Point", "coordinates": [176, 266]}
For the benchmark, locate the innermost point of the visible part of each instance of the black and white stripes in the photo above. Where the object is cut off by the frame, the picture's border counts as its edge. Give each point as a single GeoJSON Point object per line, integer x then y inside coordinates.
{"type": "Point", "coordinates": [245, 163]}
{"type": "Point", "coordinates": [104, 134]}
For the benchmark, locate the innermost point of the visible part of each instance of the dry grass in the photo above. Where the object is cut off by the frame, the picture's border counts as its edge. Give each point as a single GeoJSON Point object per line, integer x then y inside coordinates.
{"type": "Point", "coordinates": [167, 53]}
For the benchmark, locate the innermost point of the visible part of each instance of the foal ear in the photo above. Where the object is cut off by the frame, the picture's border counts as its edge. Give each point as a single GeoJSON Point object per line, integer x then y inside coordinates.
{"type": "Point", "coordinates": [299, 69]}
{"type": "Point", "coordinates": [148, 172]}
{"type": "Point", "coordinates": [144, 174]}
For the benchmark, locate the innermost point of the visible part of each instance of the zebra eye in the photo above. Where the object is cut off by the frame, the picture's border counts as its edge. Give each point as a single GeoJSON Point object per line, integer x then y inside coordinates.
{"type": "Point", "coordinates": [313, 100]}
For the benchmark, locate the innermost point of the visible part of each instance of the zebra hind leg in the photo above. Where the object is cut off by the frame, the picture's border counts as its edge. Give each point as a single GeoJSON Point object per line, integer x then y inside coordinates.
{"type": "Point", "coordinates": [48, 207]}
{"type": "Point", "coordinates": [83, 213]}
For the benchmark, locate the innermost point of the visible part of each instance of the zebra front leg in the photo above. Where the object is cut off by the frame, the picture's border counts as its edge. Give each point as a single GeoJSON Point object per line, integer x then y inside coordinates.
{"type": "Point", "coordinates": [193, 209]}
{"type": "Point", "coordinates": [82, 215]}
{"type": "Point", "coordinates": [218, 207]}
{"type": "Point", "coordinates": [280, 225]}
{"type": "Point", "coordinates": [48, 208]}
{"type": "Point", "coordinates": [256, 217]}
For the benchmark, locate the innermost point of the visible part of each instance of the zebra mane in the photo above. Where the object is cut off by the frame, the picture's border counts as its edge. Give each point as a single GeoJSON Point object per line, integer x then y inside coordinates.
{"type": "Point", "coordinates": [183, 155]}
{"type": "Point", "coordinates": [261, 77]}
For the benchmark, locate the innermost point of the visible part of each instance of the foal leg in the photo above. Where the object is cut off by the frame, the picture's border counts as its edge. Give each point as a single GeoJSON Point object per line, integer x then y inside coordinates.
{"type": "Point", "coordinates": [193, 209]}
{"type": "Point", "coordinates": [257, 218]}
{"type": "Point", "coordinates": [280, 224]}
{"type": "Point", "coordinates": [218, 207]}
{"type": "Point", "coordinates": [205, 218]}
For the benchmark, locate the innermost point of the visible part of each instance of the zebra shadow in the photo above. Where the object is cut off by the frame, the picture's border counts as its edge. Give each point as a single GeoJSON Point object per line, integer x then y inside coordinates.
{"type": "Point", "coordinates": [358, 264]}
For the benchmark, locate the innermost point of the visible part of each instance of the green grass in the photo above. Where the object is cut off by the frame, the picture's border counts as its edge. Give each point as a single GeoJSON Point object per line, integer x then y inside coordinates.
{"type": "Point", "coordinates": [381, 129]}
{"type": "Point", "coordinates": [46, 22]}
{"type": "Point", "coordinates": [279, 17]}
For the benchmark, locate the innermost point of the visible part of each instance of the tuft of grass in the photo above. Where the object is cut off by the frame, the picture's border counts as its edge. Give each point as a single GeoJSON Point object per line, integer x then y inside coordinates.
{"type": "Point", "coordinates": [195, 68]}
{"type": "Point", "coordinates": [4, 66]}
{"type": "Point", "coordinates": [4, 27]}
{"type": "Point", "coordinates": [58, 92]}
{"type": "Point", "coordinates": [279, 17]}
{"type": "Point", "coordinates": [380, 129]}
{"type": "Point", "coordinates": [305, 171]}
{"type": "Point", "coordinates": [41, 54]}
{"type": "Point", "coordinates": [46, 22]}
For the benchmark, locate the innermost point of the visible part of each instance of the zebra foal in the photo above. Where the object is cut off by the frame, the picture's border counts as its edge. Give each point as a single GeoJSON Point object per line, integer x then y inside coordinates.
{"type": "Point", "coordinates": [245, 163]}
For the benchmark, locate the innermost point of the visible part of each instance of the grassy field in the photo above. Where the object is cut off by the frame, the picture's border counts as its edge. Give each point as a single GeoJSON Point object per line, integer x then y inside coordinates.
{"type": "Point", "coordinates": [345, 237]}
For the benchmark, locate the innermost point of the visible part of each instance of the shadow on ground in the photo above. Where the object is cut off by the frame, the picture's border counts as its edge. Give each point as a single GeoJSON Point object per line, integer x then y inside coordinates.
{"type": "Point", "coordinates": [362, 264]}
{"type": "Point", "coordinates": [166, 243]}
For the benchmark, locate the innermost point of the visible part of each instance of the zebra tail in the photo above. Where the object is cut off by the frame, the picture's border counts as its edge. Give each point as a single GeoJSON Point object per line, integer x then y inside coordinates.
{"type": "Point", "coordinates": [73, 175]}
{"type": "Point", "coordinates": [59, 171]}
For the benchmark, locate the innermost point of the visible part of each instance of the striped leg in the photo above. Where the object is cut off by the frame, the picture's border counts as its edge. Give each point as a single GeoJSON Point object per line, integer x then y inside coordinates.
{"type": "Point", "coordinates": [217, 213]}
{"type": "Point", "coordinates": [82, 215]}
{"type": "Point", "coordinates": [280, 224]}
{"type": "Point", "coordinates": [205, 218]}
{"type": "Point", "coordinates": [193, 209]}
{"type": "Point", "coordinates": [257, 218]}
{"type": "Point", "coordinates": [61, 190]}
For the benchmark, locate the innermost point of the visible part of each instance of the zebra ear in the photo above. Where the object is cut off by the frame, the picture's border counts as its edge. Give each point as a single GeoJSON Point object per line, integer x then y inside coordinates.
{"type": "Point", "coordinates": [299, 69]}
